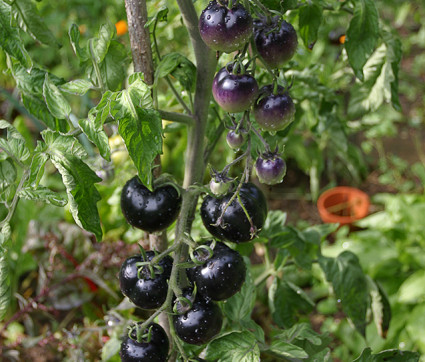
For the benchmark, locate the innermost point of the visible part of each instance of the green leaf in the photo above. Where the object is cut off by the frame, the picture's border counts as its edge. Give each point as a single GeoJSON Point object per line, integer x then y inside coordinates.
{"type": "Point", "coordinates": [288, 5]}
{"type": "Point", "coordinates": [28, 18]}
{"type": "Point", "coordinates": [43, 194]}
{"type": "Point", "coordinates": [78, 87]}
{"type": "Point", "coordinates": [286, 300]}
{"type": "Point", "coordinates": [273, 4]}
{"type": "Point", "coordinates": [380, 306]}
{"type": "Point", "coordinates": [302, 336]}
{"type": "Point", "coordinates": [273, 225]}
{"type": "Point", "coordinates": [102, 42]}
{"type": "Point", "coordinates": [113, 67]}
{"type": "Point", "coordinates": [79, 179]}
{"type": "Point", "coordinates": [350, 286]}
{"type": "Point", "coordinates": [110, 349]}
{"type": "Point", "coordinates": [14, 144]}
{"type": "Point", "coordinates": [239, 307]}
{"type": "Point", "coordinates": [74, 36]}
{"type": "Point", "coordinates": [286, 349]}
{"type": "Point", "coordinates": [56, 102]}
{"type": "Point", "coordinates": [101, 112]}
{"type": "Point", "coordinates": [8, 173]}
{"type": "Point", "coordinates": [140, 128]}
{"type": "Point", "coordinates": [393, 355]}
{"type": "Point", "coordinates": [38, 161]}
{"type": "Point", "coordinates": [161, 15]}
{"type": "Point", "coordinates": [234, 347]}
{"type": "Point", "coordinates": [97, 136]}
{"type": "Point", "coordinates": [178, 66]}
{"type": "Point", "coordinates": [411, 291]}
{"type": "Point", "coordinates": [5, 292]}
{"type": "Point", "coordinates": [10, 39]}
{"type": "Point", "coordinates": [362, 35]}
{"type": "Point", "coordinates": [394, 55]}
{"type": "Point", "coordinates": [310, 19]}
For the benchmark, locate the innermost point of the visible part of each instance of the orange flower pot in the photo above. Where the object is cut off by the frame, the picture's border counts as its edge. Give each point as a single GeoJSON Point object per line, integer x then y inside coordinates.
{"type": "Point", "coordinates": [343, 205]}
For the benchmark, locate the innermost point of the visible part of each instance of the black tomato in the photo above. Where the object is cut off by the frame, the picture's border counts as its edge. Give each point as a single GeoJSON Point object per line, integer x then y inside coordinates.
{"type": "Point", "coordinates": [274, 111]}
{"type": "Point", "coordinates": [145, 292]}
{"type": "Point", "coordinates": [235, 225]}
{"type": "Point", "coordinates": [225, 29]}
{"type": "Point", "coordinates": [200, 323]}
{"type": "Point", "coordinates": [234, 92]}
{"type": "Point", "coordinates": [156, 350]}
{"type": "Point", "coordinates": [270, 169]}
{"type": "Point", "coordinates": [149, 211]}
{"type": "Point", "coordinates": [221, 276]}
{"type": "Point", "coordinates": [276, 42]}
{"type": "Point", "coordinates": [235, 140]}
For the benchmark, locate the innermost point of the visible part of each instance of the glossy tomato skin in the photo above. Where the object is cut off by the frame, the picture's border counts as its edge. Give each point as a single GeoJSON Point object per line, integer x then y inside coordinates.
{"type": "Point", "coordinates": [235, 140]}
{"type": "Point", "coordinates": [156, 350]}
{"type": "Point", "coordinates": [200, 323]}
{"type": "Point", "coordinates": [270, 170]}
{"type": "Point", "coordinates": [234, 92]}
{"type": "Point", "coordinates": [145, 292]}
{"type": "Point", "coordinates": [224, 29]}
{"type": "Point", "coordinates": [237, 227]}
{"type": "Point", "coordinates": [276, 43]}
{"type": "Point", "coordinates": [149, 211]}
{"type": "Point", "coordinates": [273, 112]}
{"type": "Point", "coordinates": [221, 276]}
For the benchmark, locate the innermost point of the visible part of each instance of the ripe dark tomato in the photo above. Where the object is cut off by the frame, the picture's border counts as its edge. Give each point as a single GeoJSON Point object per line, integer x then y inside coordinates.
{"type": "Point", "coordinates": [236, 226]}
{"type": "Point", "coordinates": [235, 140]}
{"type": "Point", "coordinates": [156, 350]}
{"type": "Point", "coordinates": [225, 29]}
{"type": "Point", "coordinates": [273, 112]}
{"type": "Point", "coordinates": [221, 276]}
{"type": "Point", "coordinates": [145, 292]}
{"type": "Point", "coordinates": [234, 92]}
{"type": "Point", "coordinates": [270, 169]}
{"type": "Point", "coordinates": [149, 211]}
{"type": "Point", "coordinates": [276, 42]}
{"type": "Point", "coordinates": [200, 323]}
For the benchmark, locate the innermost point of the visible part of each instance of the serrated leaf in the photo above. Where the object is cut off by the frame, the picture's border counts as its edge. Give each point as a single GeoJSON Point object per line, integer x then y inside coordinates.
{"type": "Point", "coordinates": [393, 355]}
{"type": "Point", "coordinates": [28, 18]}
{"type": "Point", "coordinates": [78, 87]}
{"type": "Point", "coordinates": [160, 15]}
{"type": "Point", "coordinates": [362, 35]}
{"type": "Point", "coordinates": [74, 36]}
{"type": "Point", "coordinates": [239, 307]}
{"type": "Point", "coordinates": [57, 104]}
{"type": "Point", "coordinates": [180, 67]}
{"type": "Point", "coordinates": [43, 194]}
{"type": "Point", "coordinates": [79, 179]}
{"type": "Point", "coordinates": [286, 301]}
{"type": "Point", "coordinates": [273, 225]}
{"type": "Point", "coordinates": [97, 136]}
{"type": "Point", "coordinates": [10, 39]}
{"type": "Point", "coordinates": [350, 286]}
{"type": "Point", "coordinates": [8, 173]}
{"type": "Point", "coordinates": [14, 144]}
{"type": "Point", "coordinates": [101, 112]}
{"type": "Point", "coordinates": [140, 128]}
{"type": "Point", "coordinates": [5, 292]}
{"type": "Point", "coordinates": [234, 347]}
{"type": "Point", "coordinates": [310, 19]}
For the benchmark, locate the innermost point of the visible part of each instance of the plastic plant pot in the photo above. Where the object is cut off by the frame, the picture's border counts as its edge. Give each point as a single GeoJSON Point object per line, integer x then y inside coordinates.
{"type": "Point", "coordinates": [343, 205]}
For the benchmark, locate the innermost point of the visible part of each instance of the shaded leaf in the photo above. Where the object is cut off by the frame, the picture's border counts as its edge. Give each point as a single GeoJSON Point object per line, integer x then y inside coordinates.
{"type": "Point", "coordinates": [180, 67]}
{"type": "Point", "coordinates": [5, 292]}
{"type": "Point", "coordinates": [310, 19]}
{"type": "Point", "coordinates": [8, 173]}
{"type": "Point", "coordinates": [74, 36]}
{"type": "Point", "coordinates": [97, 136]}
{"type": "Point", "coordinates": [393, 355]}
{"type": "Point", "coordinates": [362, 35]}
{"type": "Point", "coordinates": [350, 286]}
{"type": "Point", "coordinates": [286, 349]}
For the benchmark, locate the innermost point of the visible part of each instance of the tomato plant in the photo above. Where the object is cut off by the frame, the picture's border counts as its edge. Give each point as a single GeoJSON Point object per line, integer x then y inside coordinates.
{"type": "Point", "coordinates": [236, 85]}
